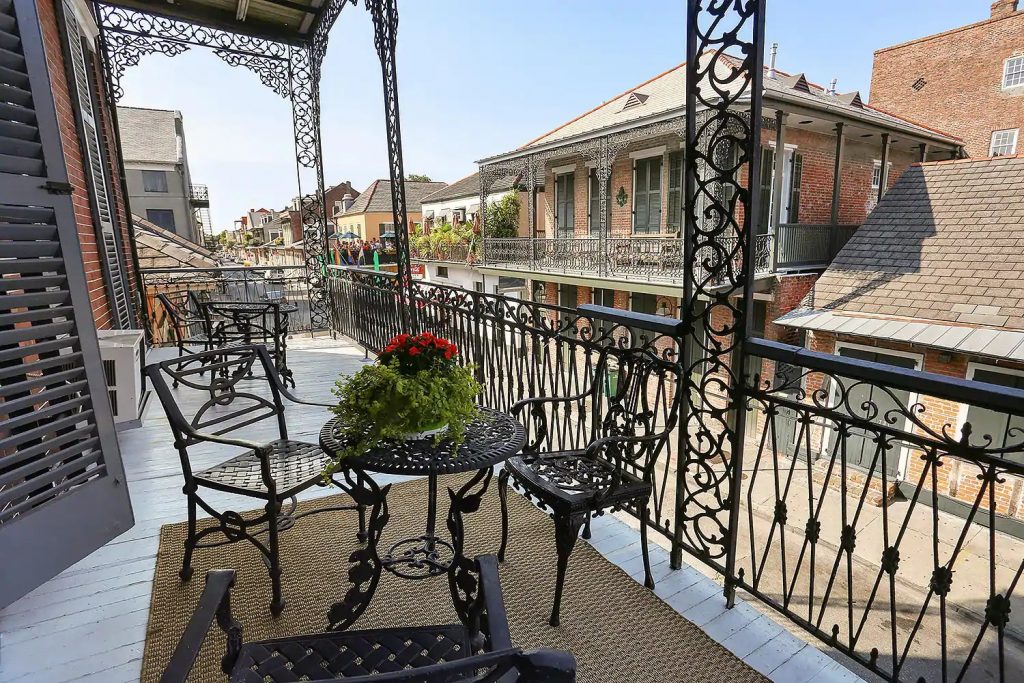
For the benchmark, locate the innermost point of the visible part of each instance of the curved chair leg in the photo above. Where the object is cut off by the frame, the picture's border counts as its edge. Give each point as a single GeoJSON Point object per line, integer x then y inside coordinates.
{"type": "Point", "coordinates": [567, 529]}
{"type": "Point", "coordinates": [277, 601]}
{"type": "Point", "coordinates": [190, 541]}
{"type": "Point", "coordinates": [648, 579]}
{"type": "Point", "coordinates": [586, 529]}
{"type": "Point", "coordinates": [503, 497]}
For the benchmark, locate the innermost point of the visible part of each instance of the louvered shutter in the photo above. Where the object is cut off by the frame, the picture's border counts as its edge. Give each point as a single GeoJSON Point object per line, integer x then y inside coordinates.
{"type": "Point", "coordinates": [62, 488]}
{"type": "Point", "coordinates": [95, 168]}
{"type": "Point", "coordinates": [795, 179]}
{"type": "Point", "coordinates": [765, 188]}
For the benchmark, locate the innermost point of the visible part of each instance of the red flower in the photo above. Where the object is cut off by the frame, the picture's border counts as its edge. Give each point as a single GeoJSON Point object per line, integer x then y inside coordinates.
{"type": "Point", "coordinates": [413, 351]}
{"type": "Point", "coordinates": [448, 354]}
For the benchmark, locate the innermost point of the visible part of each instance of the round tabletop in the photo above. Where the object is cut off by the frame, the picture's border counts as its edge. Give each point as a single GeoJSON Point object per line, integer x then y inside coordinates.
{"type": "Point", "coordinates": [491, 438]}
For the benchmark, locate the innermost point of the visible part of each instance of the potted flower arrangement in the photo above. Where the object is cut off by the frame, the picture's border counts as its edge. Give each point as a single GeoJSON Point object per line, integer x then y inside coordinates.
{"type": "Point", "coordinates": [416, 389]}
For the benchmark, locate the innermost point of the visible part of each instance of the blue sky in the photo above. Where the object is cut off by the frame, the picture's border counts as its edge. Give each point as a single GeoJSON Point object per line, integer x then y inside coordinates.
{"type": "Point", "coordinates": [480, 77]}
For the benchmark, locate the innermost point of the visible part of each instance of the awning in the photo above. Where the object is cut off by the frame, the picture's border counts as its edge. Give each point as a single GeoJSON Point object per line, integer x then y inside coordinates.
{"type": "Point", "coordinates": [978, 341]}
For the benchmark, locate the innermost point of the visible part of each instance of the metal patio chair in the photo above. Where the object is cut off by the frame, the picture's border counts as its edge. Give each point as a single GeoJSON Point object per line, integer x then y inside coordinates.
{"type": "Point", "coordinates": [273, 471]}
{"type": "Point", "coordinates": [233, 323]}
{"type": "Point", "coordinates": [188, 328]}
{"type": "Point", "coordinates": [626, 414]}
{"type": "Point", "coordinates": [477, 649]}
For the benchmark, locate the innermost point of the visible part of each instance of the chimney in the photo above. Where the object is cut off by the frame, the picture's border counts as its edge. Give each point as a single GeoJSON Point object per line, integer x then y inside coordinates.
{"type": "Point", "coordinates": [771, 60]}
{"type": "Point", "coordinates": [832, 86]}
{"type": "Point", "coordinates": [346, 201]}
{"type": "Point", "coordinates": [1003, 8]}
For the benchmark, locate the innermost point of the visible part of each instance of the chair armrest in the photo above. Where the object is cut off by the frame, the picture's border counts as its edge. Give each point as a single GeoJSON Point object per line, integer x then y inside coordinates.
{"type": "Point", "coordinates": [595, 448]}
{"type": "Point", "coordinates": [295, 399]}
{"type": "Point", "coordinates": [540, 418]}
{"type": "Point", "coordinates": [494, 603]}
{"type": "Point", "coordinates": [227, 440]}
{"type": "Point", "coordinates": [213, 603]}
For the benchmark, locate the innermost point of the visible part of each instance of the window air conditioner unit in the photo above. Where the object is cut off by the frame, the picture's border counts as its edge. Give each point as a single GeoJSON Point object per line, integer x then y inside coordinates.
{"type": "Point", "coordinates": [121, 353]}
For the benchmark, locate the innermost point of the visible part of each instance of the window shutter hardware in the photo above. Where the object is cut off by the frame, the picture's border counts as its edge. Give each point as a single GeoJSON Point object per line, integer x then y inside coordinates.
{"type": "Point", "coordinates": [58, 187]}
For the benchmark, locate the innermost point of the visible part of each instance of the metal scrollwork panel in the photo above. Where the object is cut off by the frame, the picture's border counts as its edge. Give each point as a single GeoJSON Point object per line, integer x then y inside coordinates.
{"type": "Point", "coordinates": [724, 41]}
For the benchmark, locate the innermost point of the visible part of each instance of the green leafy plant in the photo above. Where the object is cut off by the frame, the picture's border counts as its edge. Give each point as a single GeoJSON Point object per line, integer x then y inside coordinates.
{"type": "Point", "coordinates": [503, 217]}
{"type": "Point", "coordinates": [416, 385]}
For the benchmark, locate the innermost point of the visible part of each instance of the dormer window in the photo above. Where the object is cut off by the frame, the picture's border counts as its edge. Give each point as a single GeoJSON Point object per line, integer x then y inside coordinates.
{"type": "Point", "coordinates": [1013, 72]}
{"type": "Point", "coordinates": [635, 99]}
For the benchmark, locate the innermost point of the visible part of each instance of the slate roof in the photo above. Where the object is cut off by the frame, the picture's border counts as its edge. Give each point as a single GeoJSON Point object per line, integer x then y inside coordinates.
{"type": "Point", "coordinates": [666, 93]}
{"type": "Point", "coordinates": [148, 134]}
{"type": "Point", "coordinates": [945, 244]}
{"type": "Point", "coordinates": [377, 197]}
{"type": "Point", "coordinates": [160, 248]}
{"type": "Point", "coordinates": [470, 187]}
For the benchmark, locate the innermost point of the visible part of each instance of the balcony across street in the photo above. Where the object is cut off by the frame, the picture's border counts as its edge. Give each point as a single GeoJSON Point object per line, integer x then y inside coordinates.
{"type": "Point", "coordinates": [725, 419]}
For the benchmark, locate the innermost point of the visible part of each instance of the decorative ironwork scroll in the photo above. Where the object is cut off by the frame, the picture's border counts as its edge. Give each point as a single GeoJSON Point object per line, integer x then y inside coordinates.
{"type": "Point", "coordinates": [725, 40]}
{"type": "Point", "coordinates": [291, 71]}
{"type": "Point", "coordinates": [385, 29]}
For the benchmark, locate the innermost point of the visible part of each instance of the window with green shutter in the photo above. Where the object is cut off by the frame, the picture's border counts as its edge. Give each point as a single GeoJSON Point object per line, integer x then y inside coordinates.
{"type": "Point", "coordinates": [565, 209]}
{"type": "Point", "coordinates": [675, 192]}
{"type": "Point", "coordinates": [765, 188]}
{"type": "Point", "coordinates": [794, 188]}
{"type": "Point", "coordinates": [647, 195]}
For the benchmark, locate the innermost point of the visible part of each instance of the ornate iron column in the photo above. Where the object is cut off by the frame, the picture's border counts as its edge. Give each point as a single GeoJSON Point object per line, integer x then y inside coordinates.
{"type": "Point", "coordinates": [603, 172]}
{"type": "Point", "coordinates": [724, 46]}
{"type": "Point", "coordinates": [385, 32]}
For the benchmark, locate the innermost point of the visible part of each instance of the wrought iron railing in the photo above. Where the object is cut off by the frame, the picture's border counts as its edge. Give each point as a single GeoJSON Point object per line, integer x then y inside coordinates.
{"type": "Point", "coordinates": [634, 258]}
{"type": "Point", "coordinates": [455, 253]}
{"type": "Point", "coordinates": [846, 482]}
{"type": "Point", "coordinates": [848, 467]}
{"type": "Point", "coordinates": [184, 286]}
{"type": "Point", "coordinates": [199, 194]}
{"type": "Point", "coordinates": [810, 246]}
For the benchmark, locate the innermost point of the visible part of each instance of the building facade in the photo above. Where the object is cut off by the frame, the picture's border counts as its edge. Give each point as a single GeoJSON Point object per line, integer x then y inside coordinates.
{"type": "Point", "coordinates": [817, 191]}
{"type": "Point", "coordinates": [934, 281]}
{"type": "Point", "coordinates": [371, 215]}
{"type": "Point", "coordinates": [157, 173]}
{"type": "Point", "coordinates": [968, 81]}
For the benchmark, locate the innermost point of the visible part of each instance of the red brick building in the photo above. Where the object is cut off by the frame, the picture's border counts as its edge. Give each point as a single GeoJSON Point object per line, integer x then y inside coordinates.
{"type": "Point", "coordinates": [968, 81]}
{"type": "Point", "coordinates": [816, 193]}
{"type": "Point", "coordinates": [88, 140]}
{"type": "Point", "coordinates": [934, 281]}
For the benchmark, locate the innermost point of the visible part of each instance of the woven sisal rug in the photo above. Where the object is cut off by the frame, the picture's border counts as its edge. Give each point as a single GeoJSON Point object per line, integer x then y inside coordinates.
{"type": "Point", "coordinates": [619, 631]}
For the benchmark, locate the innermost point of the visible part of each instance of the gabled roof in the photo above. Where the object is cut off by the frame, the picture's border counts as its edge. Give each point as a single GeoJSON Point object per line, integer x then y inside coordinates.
{"type": "Point", "coordinates": [377, 197]}
{"type": "Point", "coordinates": [148, 135]}
{"type": "Point", "coordinates": [945, 244]}
{"type": "Point", "coordinates": [665, 95]}
{"type": "Point", "coordinates": [469, 187]}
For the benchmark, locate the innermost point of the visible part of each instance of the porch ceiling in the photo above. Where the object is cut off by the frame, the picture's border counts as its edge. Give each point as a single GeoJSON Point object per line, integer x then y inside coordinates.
{"type": "Point", "coordinates": [287, 21]}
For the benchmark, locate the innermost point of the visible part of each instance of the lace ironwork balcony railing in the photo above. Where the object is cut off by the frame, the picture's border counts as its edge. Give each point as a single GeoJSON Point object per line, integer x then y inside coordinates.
{"type": "Point", "coordinates": [454, 253]}
{"type": "Point", "coordinates": [848, 478]}
{"type": "Point", "coordinates": [185, 287]}
{"type": "Point", "coordinates": [632, 258]}
{"type": "Point", "coordinates": [199, 195]}
{"type": "Point", "coordinates": [810, 246]}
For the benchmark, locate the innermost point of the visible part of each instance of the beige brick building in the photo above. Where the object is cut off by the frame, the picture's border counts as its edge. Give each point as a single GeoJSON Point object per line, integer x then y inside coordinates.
{"type": "Point", "coordinates": [968, 81]}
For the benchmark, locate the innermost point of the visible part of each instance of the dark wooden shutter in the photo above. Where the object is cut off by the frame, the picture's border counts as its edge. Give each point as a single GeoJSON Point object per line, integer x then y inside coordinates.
{"type": "Point", "coordinates": [765, 187]}
{"type": "Point", "coordinates": [794, 188]}
{"type": "Point", "coordinates": [62, 488]}
{"type": "Point", "coordinates": [81, 61]}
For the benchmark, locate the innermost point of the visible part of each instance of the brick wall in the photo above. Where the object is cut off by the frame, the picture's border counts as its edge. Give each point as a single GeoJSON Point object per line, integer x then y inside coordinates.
{"type": "Point", "coordinates": [954, 478]}
{"type": "Point", "coordinates": [73, 159]}
{"type": "Point", "coordinates": [963, 70]}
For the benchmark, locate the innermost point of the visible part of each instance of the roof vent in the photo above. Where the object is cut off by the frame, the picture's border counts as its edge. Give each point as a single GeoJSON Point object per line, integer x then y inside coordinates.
{"type": "Point", "coordinates": [635, 99]}
{"type": "Point", "coordinates": [796, 82]}
{"type": "Point", "coordinates": [851, 98]}
{"type": "Point", "coordinates": [772, 73]}
{"type": "Point", "coordinates": [832, 87]}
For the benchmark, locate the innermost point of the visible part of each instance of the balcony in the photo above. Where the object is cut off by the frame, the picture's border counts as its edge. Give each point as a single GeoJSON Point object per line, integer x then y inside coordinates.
{"type": "Point", "coordinates": [643, 259]}
{"type": "Point", "coordinates": [199, 195]}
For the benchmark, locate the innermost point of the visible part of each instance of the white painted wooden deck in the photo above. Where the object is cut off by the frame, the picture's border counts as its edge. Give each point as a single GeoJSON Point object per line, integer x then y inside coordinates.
{"type": "Point", "coordinates": [89, 623]}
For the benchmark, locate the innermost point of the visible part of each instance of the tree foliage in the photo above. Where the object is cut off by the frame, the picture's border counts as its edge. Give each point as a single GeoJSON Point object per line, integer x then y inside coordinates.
{"type": "Point", "coordinates": [503, 217]}
{"type": "Point", "coordinates": [417, 178]}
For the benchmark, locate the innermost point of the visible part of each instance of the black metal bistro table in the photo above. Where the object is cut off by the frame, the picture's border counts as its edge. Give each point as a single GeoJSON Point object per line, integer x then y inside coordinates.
{"type": "Point", "coordinates": [234, 323]}
{"type": "Point", "coordinates": [490, 439]}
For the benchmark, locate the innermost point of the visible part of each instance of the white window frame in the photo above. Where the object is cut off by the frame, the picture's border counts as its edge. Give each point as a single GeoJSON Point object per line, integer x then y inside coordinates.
{"type": "Point", "coordinates": [1013, 145]}
{"type": "Point", "coordinates": [1019, 61]}
{"type": "Point", "coordinates": [876, 165]}
{"type": "Point", "coordinates": [918, 358]}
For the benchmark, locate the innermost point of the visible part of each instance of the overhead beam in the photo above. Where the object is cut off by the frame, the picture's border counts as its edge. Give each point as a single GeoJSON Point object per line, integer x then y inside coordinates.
{"type": "Point", "coordinates": [221, 19]}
